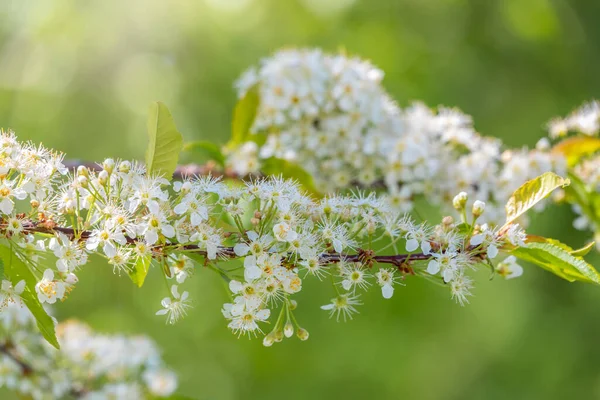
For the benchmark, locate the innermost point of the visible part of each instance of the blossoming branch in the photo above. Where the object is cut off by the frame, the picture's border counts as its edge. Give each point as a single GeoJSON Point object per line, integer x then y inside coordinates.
{"type": "Point", "coordinates": [134, 217]}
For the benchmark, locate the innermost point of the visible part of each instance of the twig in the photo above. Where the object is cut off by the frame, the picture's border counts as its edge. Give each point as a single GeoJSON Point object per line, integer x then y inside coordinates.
{"type": "Point", "coordinates": [8, 350]}
{"type": "Point", "coordinates": [398, 260]}
{"type": "Point", "coordinates": [212, 169]}
{"type": "Point", "coordinates": [182, 171]}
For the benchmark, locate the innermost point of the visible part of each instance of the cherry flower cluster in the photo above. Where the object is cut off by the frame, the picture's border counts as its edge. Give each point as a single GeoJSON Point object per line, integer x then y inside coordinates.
{"type": "Point", "coordinates": [88, 365]}
{"type": "Point", "coordinates": [281, 234]}
{"type": "Point", "coordinates": [330, 114]}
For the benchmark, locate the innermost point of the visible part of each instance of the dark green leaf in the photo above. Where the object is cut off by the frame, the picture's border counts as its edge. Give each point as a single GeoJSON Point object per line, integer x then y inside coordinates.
{"type": "Point", "coordinates": [165, 142]}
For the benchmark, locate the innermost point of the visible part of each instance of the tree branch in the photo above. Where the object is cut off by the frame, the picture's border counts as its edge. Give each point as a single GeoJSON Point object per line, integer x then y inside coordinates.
{"type": "Point", "coordinates": [366, 257]}
{"type": "Point", "coordinates": [8, 349]}
{"type": "Point", "coordinates": [182, 171]}
{"type": "Point", "coordinates": [210, 168]}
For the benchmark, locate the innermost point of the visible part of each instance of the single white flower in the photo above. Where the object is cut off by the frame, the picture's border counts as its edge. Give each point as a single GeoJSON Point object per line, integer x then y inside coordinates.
{"type": "Point", "coordinates": [243, 317]}
{"type": "Point", "coordinates": [386, 279]}
{"type": "Point", "coordinates": [176, 306]}
{"type": "Point", "coordinates": [48, 289]}
{"type": "Point", "coordinates": [509, 268]}
{"type": "Point", "coordinates": [342, 305]}
{"type": "Point", "coordinates": [284, 233]}
{"type": "Point", "coordinates": [10, 293]}
{"type": "Point", "coordinates": [191, 205]}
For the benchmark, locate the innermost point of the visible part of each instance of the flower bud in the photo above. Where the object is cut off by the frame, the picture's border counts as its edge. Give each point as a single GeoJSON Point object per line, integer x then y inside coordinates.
{"type": "Point", "coordinates": [447, 220]}
{"type": "Point", "coordinates": [34, 203]}
{"type": "Point", "coordinates": [103, 177]}
{"type": "Point", "coordinates": [460, 200]}
{"type": "Point", "coordinates": [269, 340]}
{"type": "Point", "coordinates": [293, 305]}
{"type": "Point", "coordinates": [82, 171]}
{"type": "Point", "coordinates": [124, 167]}
{"type": "Point", "coordinates": [278, 336]}
{"type": "Point", "coordinates": [71, 279]}
{"type": "Point", "coordinates": [83, 181]}
{"type": "Point", "coordinates": [288, 329]}
{"type": "Point", "coordinates": [109, 165]}
{"type": "Point", "coordinates": [302, 334]}
{"type": "Point", "coordinates": [478, 208]}
{"type": "Point", "coordinates": [186, 187]}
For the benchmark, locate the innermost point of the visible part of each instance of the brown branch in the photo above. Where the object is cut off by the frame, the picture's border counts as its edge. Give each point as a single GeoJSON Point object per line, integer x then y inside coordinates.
{"type": "Point", "coordinates": [210, 168]}
{"type": "Point", "coordinates": [182, 171]}
{"type": "Point", "coordinates": [366, 257]}
{"type": "Point", "coordinates": [8, 349]}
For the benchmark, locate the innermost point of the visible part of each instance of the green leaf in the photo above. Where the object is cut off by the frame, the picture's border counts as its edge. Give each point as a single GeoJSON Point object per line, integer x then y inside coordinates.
{"type": "Point", "coordinates": [277, 166]}
{"type": "Point", "coordinates": [579, 193]}
{"type": "Point", "coordinates": [243, 116]}
{"type": "Point", "coordinates": [557, 260]}
{"type": "Point", "coordinates": [584, 250]}
{"type": "Point", "coordinates": [165, 142]}
{"type": "Point", "coordinates": [208, 149]}
{"type": "Point", "coordinates": [575, 148]}
{"type": "Point", "coordinates": [16, 270]}
{"type": "Point", "coordinates": [140, 270]}
{"type": "Point", "coordinates": [531, 193]}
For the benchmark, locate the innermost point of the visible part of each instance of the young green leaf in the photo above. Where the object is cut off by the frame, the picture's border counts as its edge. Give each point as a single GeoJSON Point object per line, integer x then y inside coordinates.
{"type": "Point", "coordinates": [208, 149]}
{"type": "Point", "coordinates": [16, 270]}
{"type": "Point", "coordinates": [584, 250]}
{"type": "Point", "coordinates": [277, 166]}
{"type": "Point", "coordinates": [557, 260]}
{"type": "Point", "coordinates": [531, 193]}
{"type": "Point", "coordinates": [243, 116]}
{"type": "Point", "coordinates": [140, 270]}
{"type": "Point", "coordinates": [165, 142]}
{"type": "Point", "coordinates": [575, 148]}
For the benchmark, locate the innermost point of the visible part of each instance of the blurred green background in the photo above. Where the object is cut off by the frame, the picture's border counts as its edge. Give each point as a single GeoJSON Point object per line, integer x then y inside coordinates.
{"type": "Point", "coordinates": [79, 75]}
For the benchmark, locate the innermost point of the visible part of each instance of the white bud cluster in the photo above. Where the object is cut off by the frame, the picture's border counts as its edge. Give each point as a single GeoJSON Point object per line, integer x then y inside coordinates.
{"type": "Point", "coordinates": [89, 365]}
